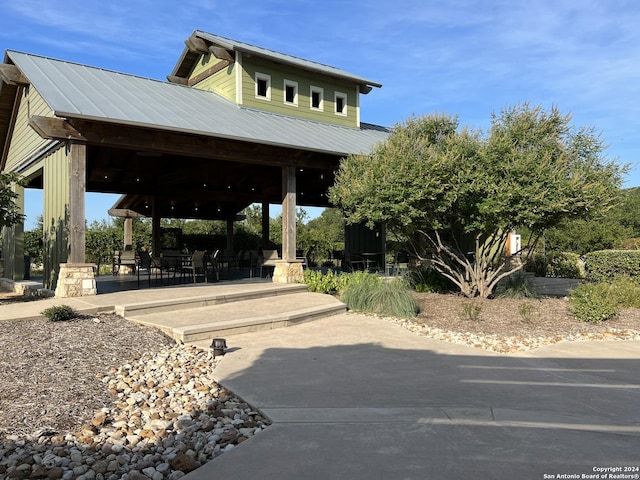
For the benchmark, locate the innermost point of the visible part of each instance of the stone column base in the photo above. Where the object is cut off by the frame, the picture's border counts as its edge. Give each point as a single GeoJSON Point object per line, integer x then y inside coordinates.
{"type": "Point", "coordinates": [288, 272]}
{"type": "Point", "coordinates": [76, 280]}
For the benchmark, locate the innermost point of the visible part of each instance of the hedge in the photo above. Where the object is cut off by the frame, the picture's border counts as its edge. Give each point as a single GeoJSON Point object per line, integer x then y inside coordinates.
{"type": "Point", "coordinates": [606, 265]}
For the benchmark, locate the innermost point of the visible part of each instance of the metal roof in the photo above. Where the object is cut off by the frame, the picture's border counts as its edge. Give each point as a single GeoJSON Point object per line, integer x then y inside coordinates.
{"type": "Point", "coordinates": [79, 91]}
{"type": "Point", "coordinates": [236, 45]}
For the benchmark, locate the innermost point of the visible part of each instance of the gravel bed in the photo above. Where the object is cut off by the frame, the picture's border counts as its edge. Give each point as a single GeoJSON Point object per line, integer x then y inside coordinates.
{"type": "Point", "coordinates": [103, 398]}
{"type": "Point", "coordinates": [508, 325]}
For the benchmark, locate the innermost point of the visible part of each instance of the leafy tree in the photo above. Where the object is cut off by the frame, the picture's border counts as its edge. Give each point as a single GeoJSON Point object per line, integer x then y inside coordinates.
{"type": "Point", "coordinates": [584, 236]}
{"type": "Point", "coordinates": [322, 235]}
{"type": "Point", "coordinates": [459, 193]}
{"type": "Point", "coordinates": [9, 211]}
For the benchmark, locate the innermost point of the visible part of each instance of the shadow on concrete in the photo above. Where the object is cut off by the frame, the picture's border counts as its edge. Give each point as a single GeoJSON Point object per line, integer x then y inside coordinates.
{"type": "Point", "coordinates": [367, 411]}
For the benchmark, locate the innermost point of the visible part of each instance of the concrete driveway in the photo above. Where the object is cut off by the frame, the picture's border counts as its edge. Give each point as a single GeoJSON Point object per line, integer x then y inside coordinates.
{"type": "Point", "coordinates": [355, 397]}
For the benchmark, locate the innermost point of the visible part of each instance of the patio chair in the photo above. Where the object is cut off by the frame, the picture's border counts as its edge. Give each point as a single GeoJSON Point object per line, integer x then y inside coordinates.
{"type": "Point", "coordinates": [126, 257]}
{"type": "Point", "coordinates": [146, 265]}
{"type": "Point", "coordinates": [196, 266]}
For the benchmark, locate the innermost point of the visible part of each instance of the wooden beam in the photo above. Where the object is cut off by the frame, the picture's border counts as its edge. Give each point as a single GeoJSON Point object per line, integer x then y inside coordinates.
{"type": "Point", "coordinates": [196, 44]}
{"type": "Point", "coordinates": [221, 53]}
{"type": "Point", "coordinates": [201, 146]}
{"type": "Point", "coordinates": [54, 128]}
{"type": "Point", "coordinates": [208, 72]}
{"type": "Point", "coordinates": [12, 75]}
{"type": "Point", "coordinates": [178, 80]}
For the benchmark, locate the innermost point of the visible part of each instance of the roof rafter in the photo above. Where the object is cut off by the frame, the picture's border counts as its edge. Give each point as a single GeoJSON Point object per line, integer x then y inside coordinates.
{"type": "Point", "coordinates": [11, 75]}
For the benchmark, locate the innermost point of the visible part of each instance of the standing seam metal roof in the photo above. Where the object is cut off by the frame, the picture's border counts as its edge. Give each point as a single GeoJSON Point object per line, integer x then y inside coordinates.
{"type": "Point", "coordinates": [79, 91]}
{"type": "Point", "coordinates": [282, 57]}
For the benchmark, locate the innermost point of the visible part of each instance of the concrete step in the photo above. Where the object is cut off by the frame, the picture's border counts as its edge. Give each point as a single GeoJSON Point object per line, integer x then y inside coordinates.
{"type": "Point", "coordinates": [199, 325]}
{"type": "Point", "coordinates": [213, 296]}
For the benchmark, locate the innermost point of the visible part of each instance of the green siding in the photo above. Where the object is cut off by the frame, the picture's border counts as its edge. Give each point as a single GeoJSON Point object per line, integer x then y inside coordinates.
{"type": "Point", "coordinates": [305, 81]}
{"type": "Point", "coordinates": [25, 141]}
{"type": "Point", "coordinates": [56, 214]}
{"type": "Point", "coordinates": [13, 243]}
{"type": "Point", "coordinates": [222, 82]}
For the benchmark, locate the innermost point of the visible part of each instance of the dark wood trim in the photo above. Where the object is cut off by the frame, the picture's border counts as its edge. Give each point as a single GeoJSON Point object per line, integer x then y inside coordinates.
{"type": "Point", "coordinates": [142, 139]}
{"type": "Point", "coordinates": [54, 128]}
{"type": "Point", "coordinates": [196, 44]}
{"type": "Point", "coordinates": [176, 79]}
{"type": "Point", "coordinates": [221, 65]}
{"type": "Point", "coordinates": [221, 53]}
{"type": "Point", "coordinates": [12, 75]}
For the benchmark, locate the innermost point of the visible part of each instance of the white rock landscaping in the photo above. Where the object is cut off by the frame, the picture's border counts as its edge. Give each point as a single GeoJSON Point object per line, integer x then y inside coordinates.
{"type": "Point", "coordinates": [168, 417]}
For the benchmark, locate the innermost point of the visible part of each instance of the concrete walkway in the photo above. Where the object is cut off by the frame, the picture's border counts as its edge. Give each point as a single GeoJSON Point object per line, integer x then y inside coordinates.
{"type": "Point", "coordinates": [355, 397]}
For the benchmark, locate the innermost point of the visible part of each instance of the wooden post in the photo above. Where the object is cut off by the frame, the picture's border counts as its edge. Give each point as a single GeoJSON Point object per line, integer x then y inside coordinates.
{"type": "Point", "coordinates": [156, 247]}
{"type": "Point", "coordinates": [288, 213]}
{"type": "Point", "coordinates": [77, 189]}
{"type": "Point", "coordinates": [288, 270]}
{"type": "Point", "coordinates": [265, 224]}
{"type": "Point", "coordinates": [128, 232]}
{"type": "Point", "coordinates": [230, 236]}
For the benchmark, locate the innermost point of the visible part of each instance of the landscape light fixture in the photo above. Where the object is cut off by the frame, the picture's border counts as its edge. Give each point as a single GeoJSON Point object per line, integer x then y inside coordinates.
{"type": "Point", "coordinates": [219, 346]}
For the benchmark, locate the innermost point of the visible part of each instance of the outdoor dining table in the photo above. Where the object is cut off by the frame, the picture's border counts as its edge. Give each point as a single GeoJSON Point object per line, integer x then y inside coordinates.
{"type": "Point", "coordinates": [174, 263]}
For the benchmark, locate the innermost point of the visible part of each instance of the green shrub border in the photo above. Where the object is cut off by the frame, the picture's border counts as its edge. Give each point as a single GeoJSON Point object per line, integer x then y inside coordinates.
{"type": "Point", "coordinates": [606, 265]}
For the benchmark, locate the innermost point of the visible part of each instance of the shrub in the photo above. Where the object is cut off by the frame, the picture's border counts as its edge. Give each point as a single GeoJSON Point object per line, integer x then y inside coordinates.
{"type": "Point", "coordinates": [625, 292]}
{"type": "Point", "coordinates": [564, 265]}
{"type": "Point", "coordinates": [555, 264]}
{"type": "Point", "coordinates": [516, 286]}
{"type": "Point", "coordinates": [357, 290]}
{"type": "Point", "coordinates": [470, 311]}
{"type": "Point", "coordinates": [593, 302]}
{"type": "Point", "coordinates": [393, 299]}
{"type": "Point", "coordinates": [318, 282]}
{"type": "Point", "coordinates": [605, 265]}
{"type": "Point", "coordinates": [426, 279]}
{"type": "Point", "coordinates": [537, 265]}
{"type": "Point", "coordinates": [526, 311]}
{"type": "Point", "coordinates": [59, 313]}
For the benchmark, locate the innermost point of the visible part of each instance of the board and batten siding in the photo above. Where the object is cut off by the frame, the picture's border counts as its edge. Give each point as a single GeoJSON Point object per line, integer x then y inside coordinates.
{"type": "Point", "coordinates": [25, 141]}
{"type": "Point", "coordinates": [305, 80]}
{"type": "Point", "coordinates": [13, 243]}
{"type": "Point", "coordinates": [55, 215]}
{"type": "Point", "coordinates": [223, 82]}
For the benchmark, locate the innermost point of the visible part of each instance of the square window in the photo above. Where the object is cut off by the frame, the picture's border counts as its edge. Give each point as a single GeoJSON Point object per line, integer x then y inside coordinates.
{"type": "Point", "coordinates": [316, 98]}
{"type": "Point", "coordinates": [263, 86]}
{"type": "Point", "coordinates": [290, 92]}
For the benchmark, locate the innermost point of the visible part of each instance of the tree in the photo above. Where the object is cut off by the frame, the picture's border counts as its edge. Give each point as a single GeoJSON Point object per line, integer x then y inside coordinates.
{"type": "Point", "coordinates": [458, 194]}
{"type": "Point", "coordinates": [322, 235]}
{"type": "Point", "coordinates": [10, 213]}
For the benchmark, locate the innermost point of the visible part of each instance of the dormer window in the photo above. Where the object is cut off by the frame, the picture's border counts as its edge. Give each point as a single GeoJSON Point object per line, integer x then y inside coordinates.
{"type": "Point", "coordinates": [263, 86]}
{"type": "Point", "coordinates": [317, 95]}
{"type": "Point", "coordinates": [291, 92]}
{"type": "Point", "coordinates": [340, 103]}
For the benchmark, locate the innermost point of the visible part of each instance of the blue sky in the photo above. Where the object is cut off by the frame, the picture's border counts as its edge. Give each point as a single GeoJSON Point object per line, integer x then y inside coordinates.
{"type": "Point", "coordinates": [463, 57]}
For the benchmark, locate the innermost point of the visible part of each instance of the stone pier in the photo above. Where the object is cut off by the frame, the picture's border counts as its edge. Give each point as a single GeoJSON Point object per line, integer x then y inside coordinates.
{"type": "Point", "coordinates": [76, 280]}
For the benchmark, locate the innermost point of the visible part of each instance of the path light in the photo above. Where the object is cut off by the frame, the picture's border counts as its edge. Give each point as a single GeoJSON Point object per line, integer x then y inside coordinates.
{"type": "Point", "coordinates": [219, 346]}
